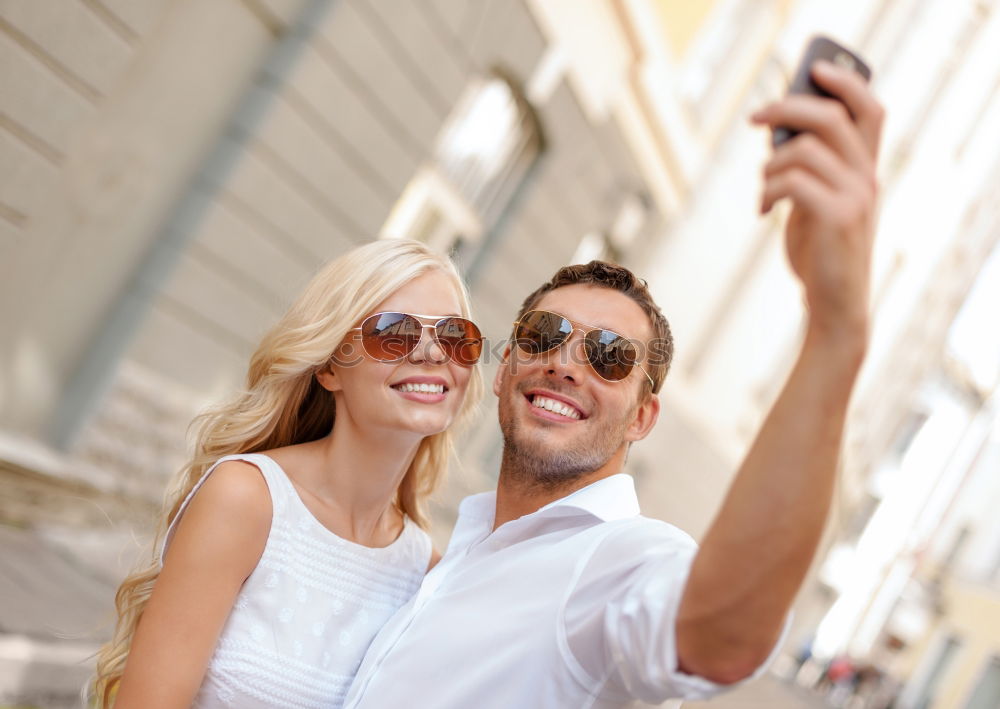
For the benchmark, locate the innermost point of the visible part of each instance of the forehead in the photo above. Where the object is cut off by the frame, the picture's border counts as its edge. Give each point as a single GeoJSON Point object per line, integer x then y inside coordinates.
{"type": "Point", "coordinates": [431, 293]}
{"type": "Point", "coordinates": [598, 306]}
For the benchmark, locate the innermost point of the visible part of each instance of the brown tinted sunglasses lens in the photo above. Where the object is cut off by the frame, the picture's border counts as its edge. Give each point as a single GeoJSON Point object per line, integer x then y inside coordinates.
{"type": "Point", "coordinates": [460, 339]}
{"type": "Point", "coordinates": [610, 354]}
{"type": "Point", "coordinates": [390, 336]}
{"type": "Point", "coordinates": [538, 331]}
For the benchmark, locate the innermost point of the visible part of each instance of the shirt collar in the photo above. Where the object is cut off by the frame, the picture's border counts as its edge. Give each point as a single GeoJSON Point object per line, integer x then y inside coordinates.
{"type": "Point", "coordinates": [607, 499]}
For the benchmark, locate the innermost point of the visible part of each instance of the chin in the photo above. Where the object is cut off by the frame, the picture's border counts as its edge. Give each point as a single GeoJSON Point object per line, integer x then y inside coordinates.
{"type": "Point", "coordinates": [427, 428]}
{"type": "Point", "coordinates": [555, 457]}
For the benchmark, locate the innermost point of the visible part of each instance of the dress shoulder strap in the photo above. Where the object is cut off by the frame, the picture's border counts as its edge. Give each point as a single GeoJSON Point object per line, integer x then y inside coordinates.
{"type": "Point", "coordinates": [278, 485]}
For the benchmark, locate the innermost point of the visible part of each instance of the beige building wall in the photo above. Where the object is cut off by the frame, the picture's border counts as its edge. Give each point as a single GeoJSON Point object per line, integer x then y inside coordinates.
{"type": "Point", "coordinates": [108, 110]}
{"type": "Point", "coordinates": [973, 617]}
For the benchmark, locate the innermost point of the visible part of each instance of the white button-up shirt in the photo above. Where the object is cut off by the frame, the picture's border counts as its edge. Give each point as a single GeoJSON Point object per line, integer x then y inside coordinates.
{"type": "Point", "coordinates": [570, 606]}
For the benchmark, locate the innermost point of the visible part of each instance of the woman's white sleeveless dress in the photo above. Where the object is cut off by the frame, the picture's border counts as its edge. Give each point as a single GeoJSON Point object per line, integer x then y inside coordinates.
{"type": "Point", "coordinates": [306, 615]}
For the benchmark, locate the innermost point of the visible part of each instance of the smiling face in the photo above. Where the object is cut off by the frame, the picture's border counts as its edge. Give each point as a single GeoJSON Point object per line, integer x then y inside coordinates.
{"type": "Point", "coordinates": [559, 419]}
{"type": "Point", "coordinates": [419, 394]}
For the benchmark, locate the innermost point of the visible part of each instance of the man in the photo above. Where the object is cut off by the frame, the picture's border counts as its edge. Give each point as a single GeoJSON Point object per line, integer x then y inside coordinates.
{"type": "Point", "coordinates": [554, 591]}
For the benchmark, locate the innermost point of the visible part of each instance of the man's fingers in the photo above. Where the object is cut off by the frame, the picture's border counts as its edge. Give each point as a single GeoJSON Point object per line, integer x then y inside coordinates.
{"type": "Point", "coordinates": [854, 91]}
{"type": "Point", "coordinates": [805, 189]}
{"type": "Point", "coordinates": [808, 152]}
{"type": "Point", "coordinates": [827, 118]}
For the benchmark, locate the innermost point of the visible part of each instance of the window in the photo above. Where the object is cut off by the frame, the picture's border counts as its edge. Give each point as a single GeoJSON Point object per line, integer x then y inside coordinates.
{"type": "Point", "coordinates": [622, 234]}
{"type": "Point", "coordinates": [480, 158]}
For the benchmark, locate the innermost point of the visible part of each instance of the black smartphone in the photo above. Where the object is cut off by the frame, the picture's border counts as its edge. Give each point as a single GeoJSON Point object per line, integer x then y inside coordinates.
{"type": "Point", "coordinates": [802, 83]}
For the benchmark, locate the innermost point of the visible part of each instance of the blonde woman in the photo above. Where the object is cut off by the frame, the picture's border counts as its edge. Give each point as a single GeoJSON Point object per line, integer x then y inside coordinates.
{"type": "Point", "coordinates": [296, 529]}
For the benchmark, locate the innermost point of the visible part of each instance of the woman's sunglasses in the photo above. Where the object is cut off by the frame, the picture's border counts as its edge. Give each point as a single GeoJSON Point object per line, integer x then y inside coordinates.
{"type": "Point", "coordinates": [388, 337]}
{"type": "Point", "coordinates": [611, 355]}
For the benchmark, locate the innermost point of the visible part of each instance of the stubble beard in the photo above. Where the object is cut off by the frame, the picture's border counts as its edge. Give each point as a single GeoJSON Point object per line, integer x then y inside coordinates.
{"type": "Point", "coordinates": [529, 461]}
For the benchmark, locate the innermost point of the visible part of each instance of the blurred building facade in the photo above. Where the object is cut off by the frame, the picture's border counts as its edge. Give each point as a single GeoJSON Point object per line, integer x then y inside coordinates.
{"type": "Point", "coordinates": [175, 173]}
{"type": "Point", "coordinates": [908, 584]}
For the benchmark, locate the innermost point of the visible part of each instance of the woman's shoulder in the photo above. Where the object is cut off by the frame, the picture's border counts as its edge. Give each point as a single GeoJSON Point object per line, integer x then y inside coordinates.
{"type": "Point", "coordinates": [241, 482]}
{"type": "Point", "coordinates": [230, 514]}
{"type": "Point", "coordinates": [235, 492]}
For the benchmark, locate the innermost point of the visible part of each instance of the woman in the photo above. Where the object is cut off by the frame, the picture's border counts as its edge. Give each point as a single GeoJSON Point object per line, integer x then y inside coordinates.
{"type": "Point", "coordinates": [295, 531]}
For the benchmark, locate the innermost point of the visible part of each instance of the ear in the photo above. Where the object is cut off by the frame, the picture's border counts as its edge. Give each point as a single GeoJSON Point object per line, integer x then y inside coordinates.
{"type": "Point", "coordinates": [328, 379]}
{"type": "Point", "coordinates": [498, 377]}
{"type": "Point", "coordinates": [645, 418]}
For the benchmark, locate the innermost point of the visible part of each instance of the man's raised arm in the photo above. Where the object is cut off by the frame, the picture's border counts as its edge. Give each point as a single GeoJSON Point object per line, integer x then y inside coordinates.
{"type": "Point", "coordinates": [758, 549]}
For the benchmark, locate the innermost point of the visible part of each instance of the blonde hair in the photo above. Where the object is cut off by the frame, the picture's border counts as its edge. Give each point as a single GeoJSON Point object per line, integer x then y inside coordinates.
{"type": "Point", "coordinates": [284, 404]}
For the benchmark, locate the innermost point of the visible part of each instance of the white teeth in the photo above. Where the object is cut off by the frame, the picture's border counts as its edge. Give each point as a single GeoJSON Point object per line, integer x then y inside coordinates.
{"type": "Point", "coordinates": [422, 388]}
{"type": "Point", "coordinates": [555, 406]}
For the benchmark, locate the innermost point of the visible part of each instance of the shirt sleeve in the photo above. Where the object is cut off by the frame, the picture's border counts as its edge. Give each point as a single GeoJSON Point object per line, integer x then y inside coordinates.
{"type": "Point", "coordinates": [620, 620]}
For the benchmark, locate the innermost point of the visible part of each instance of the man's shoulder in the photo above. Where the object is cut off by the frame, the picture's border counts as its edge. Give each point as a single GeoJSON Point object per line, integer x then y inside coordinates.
{"type": "Point", "coordinates": [641, 533]}
{"type": "Point", "coordinates": [635, 549]}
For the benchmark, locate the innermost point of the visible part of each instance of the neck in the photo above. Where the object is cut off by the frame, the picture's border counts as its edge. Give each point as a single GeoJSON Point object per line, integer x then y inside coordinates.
{"type": "Point", "coordinates": [520, 491]}
{"type": "Point", "coordinates": [359, 472]}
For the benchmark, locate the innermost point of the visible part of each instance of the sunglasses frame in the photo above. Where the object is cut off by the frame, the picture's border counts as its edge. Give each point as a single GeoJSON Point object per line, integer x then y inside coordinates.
{"type": "Point", "coordinates": [585, 330]}
{"type": "Point", "coordinates": [416, 316]}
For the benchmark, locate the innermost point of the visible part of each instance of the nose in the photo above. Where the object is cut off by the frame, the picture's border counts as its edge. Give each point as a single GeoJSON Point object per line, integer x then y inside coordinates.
{"type": "Point", "coordinates": [428, 349]}
{"type": "Point", "coordinates": [569, 360]}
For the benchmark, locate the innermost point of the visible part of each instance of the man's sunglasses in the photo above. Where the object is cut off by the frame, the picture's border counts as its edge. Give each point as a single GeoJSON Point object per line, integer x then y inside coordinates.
{"type": "Point", "coordinates": [388, 337]}
{"type": "Point", "coordinates": [611, 355]}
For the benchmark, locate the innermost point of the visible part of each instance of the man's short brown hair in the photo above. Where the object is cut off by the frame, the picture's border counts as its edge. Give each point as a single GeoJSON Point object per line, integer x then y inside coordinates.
{"type": "Point", "coordinates": [660, 350]}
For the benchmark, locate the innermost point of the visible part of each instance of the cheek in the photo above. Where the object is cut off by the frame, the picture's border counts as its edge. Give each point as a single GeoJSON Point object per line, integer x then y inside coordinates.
{"type": "Point", "coordinates": [365, 379]}
{"type": "Point", "coordinates": [461, 377]}
{"type": "Point", "coordinates": [506, 382]}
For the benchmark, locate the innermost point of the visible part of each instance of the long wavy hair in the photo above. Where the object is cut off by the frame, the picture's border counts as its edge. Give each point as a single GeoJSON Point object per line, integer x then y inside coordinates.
{"type": "Point", "coordinates": [283, 404]}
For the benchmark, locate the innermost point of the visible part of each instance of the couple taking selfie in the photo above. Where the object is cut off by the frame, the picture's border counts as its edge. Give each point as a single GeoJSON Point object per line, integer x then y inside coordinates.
{"type": "Point", "coordinates": [293, 567]}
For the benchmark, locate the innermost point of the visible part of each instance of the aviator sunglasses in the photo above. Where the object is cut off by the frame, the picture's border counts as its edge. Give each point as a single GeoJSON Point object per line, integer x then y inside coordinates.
{"type": "Point", "coordinates": [611, 355]}
{"type": "Point", "coordinates": [390, 336]}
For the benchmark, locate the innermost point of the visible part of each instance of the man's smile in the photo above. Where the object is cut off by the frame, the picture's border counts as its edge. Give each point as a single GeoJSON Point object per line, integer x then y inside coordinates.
{"type": "Point", "coordinates": [554, 407]}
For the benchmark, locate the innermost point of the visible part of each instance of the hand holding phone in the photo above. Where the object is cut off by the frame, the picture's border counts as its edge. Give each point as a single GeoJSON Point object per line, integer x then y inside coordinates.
{"type": "Point", "coordinates": [829, 178]}
{"type": "Point", "coordinates": [819, 48]}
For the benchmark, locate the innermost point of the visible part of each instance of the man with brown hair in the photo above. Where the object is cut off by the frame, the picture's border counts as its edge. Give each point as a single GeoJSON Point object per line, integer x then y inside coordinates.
{"type": "Point", "coordinates": [554, 590]}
